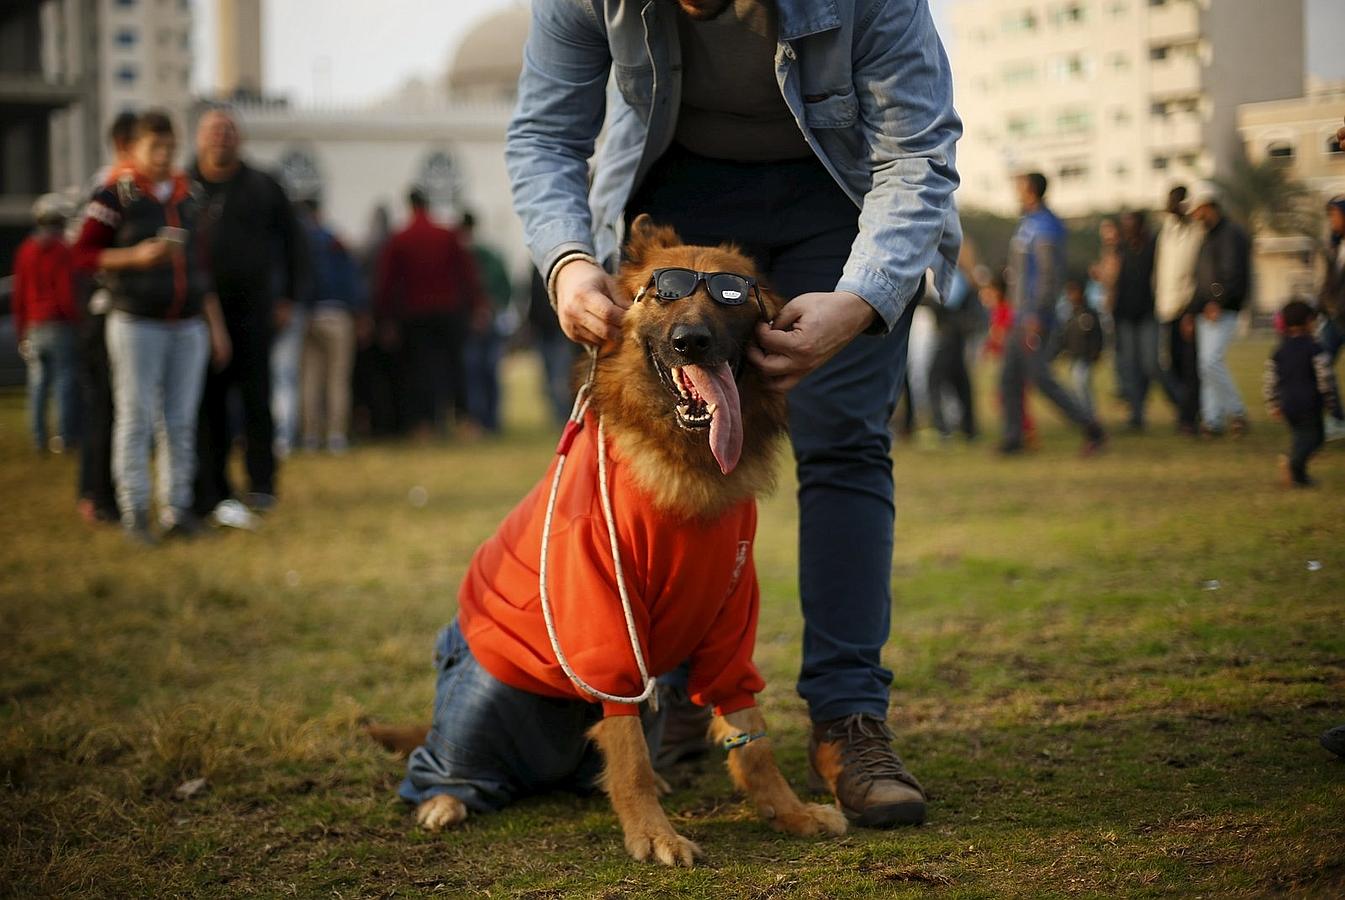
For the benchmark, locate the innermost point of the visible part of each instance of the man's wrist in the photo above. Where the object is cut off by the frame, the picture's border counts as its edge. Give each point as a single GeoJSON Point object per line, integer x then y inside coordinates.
{"type": "Point", "coordinates": [561, 263]}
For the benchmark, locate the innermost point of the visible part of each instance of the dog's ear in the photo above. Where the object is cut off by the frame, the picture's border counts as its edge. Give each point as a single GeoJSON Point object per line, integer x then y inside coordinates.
{"type": "Point", "coordinates": [645, 237]}
{"type": "Point", "coordinates": [772, 301]}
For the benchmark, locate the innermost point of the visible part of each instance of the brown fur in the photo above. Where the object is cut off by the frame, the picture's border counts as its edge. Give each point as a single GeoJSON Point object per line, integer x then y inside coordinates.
{"type": "Point", "coordinates": [677, 469]}
{"type": "Point", "coordinates": [673, 465]}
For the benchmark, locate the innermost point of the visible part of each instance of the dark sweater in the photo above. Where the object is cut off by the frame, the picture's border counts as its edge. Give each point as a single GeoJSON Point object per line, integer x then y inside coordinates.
{"type": "Point", "coordinates": [1223, 268]}
{"type": "Point", "coordinates": [1135, 283]}
{"type": "Point", "coordinates": [1298, 380]}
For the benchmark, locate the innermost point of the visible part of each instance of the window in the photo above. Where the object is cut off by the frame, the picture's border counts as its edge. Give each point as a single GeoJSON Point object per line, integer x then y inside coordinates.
{"type": "Point", "coordinates": [1067, 14]}
{"type": "Point", "coordinates": [126, 3]}
{"type": "Point", "coordinates": [1160, 163]}
{"type": "Point", "coordinates": [1073, 121]}
{"type": "Point", "coordinates": [1121, 115]}
{"type": "Point", "coordinates": [1020, 73]}
{"type": "Point", "coordinates": [1158, 53]}
{"type": "Point", "coordinates": [1280, 150]}
{"type": "Point", "coordinates": [1158, 109]}
{"type": "Point", "coordinates": [1158, 2]}
{"type": "Point", "coordinates": [126, 37]}
{"type": "Point", "coordinates": [1025, 20]}
{"type": "Point", "coordinates": [1119, 62]}
{"type": "Point", "coordinates": [1021, 125]}
{"type": "Point", "coordinates": [1074, 170]}
{"type": "Point", "coordinates": [1190, 160]}
{"type": "Point", "coordinates": [127, 74]}
{"type": "Point", "coordinates": [1117, 8]}
{"type": "Point", "coordinates": [1071, 67]}
{"type": "Point", "coordinates": [1121, 170]}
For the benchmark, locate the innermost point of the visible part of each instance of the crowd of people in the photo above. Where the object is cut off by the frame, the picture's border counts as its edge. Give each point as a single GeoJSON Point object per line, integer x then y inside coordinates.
{"type": "Point", "coordinates": [187, 312]}
{"type": "Point", "coordinates": [1166, 299]}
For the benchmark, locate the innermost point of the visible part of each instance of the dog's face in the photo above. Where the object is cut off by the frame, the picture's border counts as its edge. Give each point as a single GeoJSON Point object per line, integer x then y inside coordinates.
{"type": "Point", "coordinates": [693, 347]}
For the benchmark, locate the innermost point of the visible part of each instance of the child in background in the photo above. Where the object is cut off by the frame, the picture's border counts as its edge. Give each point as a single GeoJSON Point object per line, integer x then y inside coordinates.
{"type": "Point", "coordinates": [1082, 341]}
{"type": "Point", "coordinates": [1299, 385]}
{"type": "Point", "coordinates": [995, 298]}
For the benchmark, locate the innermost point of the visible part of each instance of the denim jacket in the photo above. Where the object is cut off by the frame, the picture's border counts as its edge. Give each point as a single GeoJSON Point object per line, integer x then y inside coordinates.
{"type": "Point", "coordinates": [867, 81]}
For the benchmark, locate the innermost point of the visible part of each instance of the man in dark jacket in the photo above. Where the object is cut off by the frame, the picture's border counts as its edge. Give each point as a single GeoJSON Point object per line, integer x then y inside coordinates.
{"type": "Point", "coordinates": [1133, 313]}
{"type": "Point", "coordinates": [1223, 274]}
{"type": "Point", "coordinates": [249, 226]}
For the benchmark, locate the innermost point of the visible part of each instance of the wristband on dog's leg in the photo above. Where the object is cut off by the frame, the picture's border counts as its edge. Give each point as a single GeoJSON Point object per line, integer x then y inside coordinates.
{"type": "Point", "coordinates": [741, 739]}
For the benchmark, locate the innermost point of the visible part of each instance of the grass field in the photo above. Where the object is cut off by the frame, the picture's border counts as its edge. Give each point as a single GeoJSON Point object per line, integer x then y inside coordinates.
{"type": "Point", "coordinates": [1089, 717]}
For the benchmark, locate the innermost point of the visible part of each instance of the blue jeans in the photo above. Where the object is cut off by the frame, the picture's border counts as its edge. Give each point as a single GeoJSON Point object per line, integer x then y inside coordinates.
{"type": "Point", "coordinates": [1081, 370]}
{"type": "Point", "coordinates": [481, 354]}
{"type": "Point", "coordinates": [1137, 353]}
{"type": "Point", "coordinates": [1219, 396]}
{"type": "Point", "coordinates": [51, 374]}
{"type": "Point", "coordinates": [799, 227]}
{"type": "Point", "coordinates": [1024, 365]}
{"type": "Point", "coordinates": [287, 354]}
{"type": "Point", "coordinates": [490, 743]}
{"type": "Point", "coordinates": [158, 370]}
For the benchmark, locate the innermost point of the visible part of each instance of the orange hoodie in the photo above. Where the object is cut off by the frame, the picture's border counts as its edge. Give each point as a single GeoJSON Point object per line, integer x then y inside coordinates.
{"type": "Point", "coordinates": [692, 586]}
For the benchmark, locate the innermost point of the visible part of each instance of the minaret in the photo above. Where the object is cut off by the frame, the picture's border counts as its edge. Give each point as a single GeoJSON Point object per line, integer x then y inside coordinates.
{"type": "Point", "coordinates": [239, 67]}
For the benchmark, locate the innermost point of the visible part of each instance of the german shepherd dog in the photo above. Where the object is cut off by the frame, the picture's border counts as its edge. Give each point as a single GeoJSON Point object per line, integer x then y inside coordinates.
{"type": "Point", "coordinates": [697, 430]}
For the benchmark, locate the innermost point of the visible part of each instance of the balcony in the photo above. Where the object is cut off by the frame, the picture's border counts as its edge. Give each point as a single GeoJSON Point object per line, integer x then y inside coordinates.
{"type": "Point", "coordinates": [1172, 76]}
{"type": "Point", "coordinates": [18, 89]}
{"type": "Point", "coordinates": [1177, 20]}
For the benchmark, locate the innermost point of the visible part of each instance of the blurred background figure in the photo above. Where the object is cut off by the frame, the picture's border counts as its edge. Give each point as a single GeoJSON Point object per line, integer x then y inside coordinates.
{"type": "Point", "coordinates": [428, 294]}
{"type": "Point", "coordinates": [377, 396]}
{"type": "Point", "coordinates": [334, 306]}
{"type": "Point", "coordinates": [1101, 289]}
{"type": "Point", "coordinates": [1331, 299]}
{"type": "Point", "coordinates": [1175, 250]}
{"type": "Point", "coordinates": [558, 352]}
{"type": "Point", "coordinates": [1132, 313]}
{"type": "Point", "coordinates": [1082, 343]}
{"type": "Point", "coordinates": [490, 329]}
{"type": "Point", "coordinates": [249, 227]}
{"type": "Point", "coordinates": [287, 355]}
{"type": "Point", "coordinates": [958, 318]}
{"type": "Point", "coordinates": [1223, 274]}
{"type": "Point", "coordinates": [97, 495]}
{"type": "Point", "coordinates": [995, 300]}
{"type": "Point", "coordinates": [1300, 389]}
{"type": "Point", "coordinates": [44, 322]}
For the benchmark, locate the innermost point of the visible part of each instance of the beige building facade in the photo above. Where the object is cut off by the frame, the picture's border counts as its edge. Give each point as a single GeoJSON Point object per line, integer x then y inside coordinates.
{"type": "Point", "coordinates": [1299, 134]}
{"type": "Point", "coordinates": [1114, 100]}
{"type": "Point", "coordinates": [239, 47]}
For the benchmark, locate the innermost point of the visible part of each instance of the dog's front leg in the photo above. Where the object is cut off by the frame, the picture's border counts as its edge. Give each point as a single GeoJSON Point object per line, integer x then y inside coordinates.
{"type": "Point", "coordinates": [754, 772]}
{"type": "Point", "coordinates": [629, 780]}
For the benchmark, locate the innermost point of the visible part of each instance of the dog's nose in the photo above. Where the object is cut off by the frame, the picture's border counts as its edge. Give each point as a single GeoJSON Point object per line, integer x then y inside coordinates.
{"type": "Point", "coordinates": [692, 341]}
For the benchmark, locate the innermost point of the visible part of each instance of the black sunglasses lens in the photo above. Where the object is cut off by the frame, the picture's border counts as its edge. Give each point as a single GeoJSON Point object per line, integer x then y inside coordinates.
{"type": "Point", "coordinates": [674, 284]}
{"type": "Point", "coordinates": [730, 290]}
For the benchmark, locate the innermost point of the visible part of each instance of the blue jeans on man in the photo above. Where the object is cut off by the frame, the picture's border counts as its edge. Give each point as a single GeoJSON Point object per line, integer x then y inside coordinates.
{"type": "Point", "coordinates": [1137, 353]}
{"type": "Point", "coordinates": [1220, 400]}
{"type": "Point", "coordinates": [51, 375]}
{"type": "Point", "coordinates": [158, 370]}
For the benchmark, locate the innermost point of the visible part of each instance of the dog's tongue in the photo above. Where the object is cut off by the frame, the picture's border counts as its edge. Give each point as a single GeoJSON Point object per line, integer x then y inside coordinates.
{"type": "Point", "coordinates": [718, 389]}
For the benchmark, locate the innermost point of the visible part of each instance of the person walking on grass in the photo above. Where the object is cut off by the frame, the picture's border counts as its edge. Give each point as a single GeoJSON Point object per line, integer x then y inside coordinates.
{"type": "Point", "coordinates": [1082, 342]}
{"type": "Point", "coordinates": [485, 341]}
{"type": "Point", "coordinates": [1176, 249]}
{"type": "Point", "coordinates": [165, 324]}
{"type": "Point", "coordinates": [1299, 388]}
{"type": "Point", "coordinates": [335, 305]}
{"type": "Point", "coordinates": [820, 138]}
{"type": "Point", "coordinates": [1036, 268]}
{"type": "Point", "coordinates": [45, 317]}
{"type": "Point", "coordinates": [250, 228]}
{"type": "Point", "coordinates": [1132, 313]}
{"type": "Point", "coordinates": [1222, 280]}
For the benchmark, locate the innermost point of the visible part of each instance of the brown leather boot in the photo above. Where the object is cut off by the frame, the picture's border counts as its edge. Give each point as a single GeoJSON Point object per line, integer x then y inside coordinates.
{"type": "Point", "coordinates": [853, 758]}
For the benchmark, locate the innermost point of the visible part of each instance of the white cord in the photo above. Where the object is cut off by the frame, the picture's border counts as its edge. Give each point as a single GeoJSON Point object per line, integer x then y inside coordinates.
{"type": "Point", "coordinates": [577, 414]}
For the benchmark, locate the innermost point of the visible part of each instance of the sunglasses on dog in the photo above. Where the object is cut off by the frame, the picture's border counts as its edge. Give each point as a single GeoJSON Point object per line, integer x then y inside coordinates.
{"type": "Point", "coordinates": [725, 288]}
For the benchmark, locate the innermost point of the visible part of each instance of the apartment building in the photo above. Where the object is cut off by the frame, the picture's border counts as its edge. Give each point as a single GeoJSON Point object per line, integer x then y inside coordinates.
{"type": "Point", "coordinates": [145, 56]}
{"type": "Point", "coordinates": [1114, 100]}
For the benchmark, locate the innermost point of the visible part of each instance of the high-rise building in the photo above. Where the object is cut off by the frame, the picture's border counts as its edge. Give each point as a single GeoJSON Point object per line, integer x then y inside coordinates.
{"type": "Point", "coordinates": [1113, 100]}
{"type": "Point", "coordinates": [145, 56]}
{"type": "Point", "coordinates": [239, 54]}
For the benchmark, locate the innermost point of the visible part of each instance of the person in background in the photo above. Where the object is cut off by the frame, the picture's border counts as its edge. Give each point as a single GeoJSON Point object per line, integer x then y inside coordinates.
{"type": "Point", "coordinates": [97, 495]}
{"type": "Point", "coordinates": [249, 227]}
{"type": "Point", "coordinates": [1082, 342]}
{"type": "Point", "coordinates": [1223, 274]}
{"type": "Point", "coordinates": [1132, 310]}
{"type": "Point", "coordinates": [995, 300]}
{"type": "Point", "coordinates": [428, 294]}
{"type": "Point", "coordinates": [287, 356]}
{"type": "Point", "coordinates": [378, 394]}
{"type": "Point", "coordinates": [956, 320]}
{"type": "Point", "coordinates": [45, 319]}
{"type": "Point", "coordinates": [1299, 388]}
{"type": "Point", "coordinates": [336, 310]}
{"type": "Point", "coordinates": [1036, 266]}
{"type": "Point", "coordinates": [485, 342]}
{"type": "Point", "coordinates": [1176, 249]}
{"type": "Point", "coordinates": [1102, 288]}
{"type": "Point", "coordinates": [142, 232]}
{"type": "Point", "coordinates": [558, 352]}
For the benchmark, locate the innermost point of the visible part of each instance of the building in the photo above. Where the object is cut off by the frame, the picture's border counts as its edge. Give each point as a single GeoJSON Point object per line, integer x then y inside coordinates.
{"type": "Point", "coordinates": [145, 56]}
{"type": "Point", "coordinates": [445, 136]}
{"type": "Point", "coordinates": [1114, 100]}
{"type": "Point", "coordinates": [1299, 134]}
{"type": "Point", "coordinates": [239, 52]}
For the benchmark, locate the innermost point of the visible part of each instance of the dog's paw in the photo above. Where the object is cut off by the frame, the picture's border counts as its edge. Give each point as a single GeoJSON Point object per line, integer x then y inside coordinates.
{"type": "Point", "coordinates": [439, 812]}
{"type": "Point", "coordinates": [809, 819]}
{"type": "Point", "coordinates": [666, 847]}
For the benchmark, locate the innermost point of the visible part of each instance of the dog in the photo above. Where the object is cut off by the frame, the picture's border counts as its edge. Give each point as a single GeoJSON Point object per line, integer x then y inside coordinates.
{"type": "Point", "coordinates": [690, 433]}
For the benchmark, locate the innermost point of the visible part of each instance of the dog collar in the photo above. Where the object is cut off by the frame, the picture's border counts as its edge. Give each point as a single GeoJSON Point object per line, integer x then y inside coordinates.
{"type": "Point", "coordinates": [741, 739]}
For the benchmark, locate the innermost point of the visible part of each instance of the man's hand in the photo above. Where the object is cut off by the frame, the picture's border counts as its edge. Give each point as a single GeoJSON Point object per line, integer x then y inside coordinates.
{"type": "Point", "coordinates": [1212, 311]}
{"type": "Point", "coordinates": [811, 329]}
{"type": "Point", "coordinates": [284, 313]}
{"type": "Point", "coordinates": [588, 303]}
{"type": "Point", "coordinates": [221, 348]}
{"type": "Point", "coordinates": [151, 253]}
{"type": "Point", "coordinates": [25, 349]}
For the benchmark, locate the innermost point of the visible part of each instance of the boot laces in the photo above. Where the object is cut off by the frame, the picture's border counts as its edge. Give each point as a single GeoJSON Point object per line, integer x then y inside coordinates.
{"type": "Point", "coordinates": [866, 748]}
